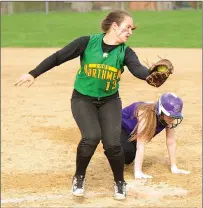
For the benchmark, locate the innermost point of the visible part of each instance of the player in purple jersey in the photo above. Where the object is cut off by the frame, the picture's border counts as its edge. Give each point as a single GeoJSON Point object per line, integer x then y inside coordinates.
{"type": "Point", "coordinates": [141, 121]}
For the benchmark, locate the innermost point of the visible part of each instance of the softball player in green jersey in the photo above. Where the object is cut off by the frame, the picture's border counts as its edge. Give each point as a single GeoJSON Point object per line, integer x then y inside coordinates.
{"type": "Point", "coordinates": [95, 102]}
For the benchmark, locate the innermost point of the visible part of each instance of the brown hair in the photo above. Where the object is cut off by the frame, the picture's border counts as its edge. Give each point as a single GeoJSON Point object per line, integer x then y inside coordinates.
{"type": "Point", "coordinates": [146, 111]}
{"type": "Point", "coordinates": [115, 16]}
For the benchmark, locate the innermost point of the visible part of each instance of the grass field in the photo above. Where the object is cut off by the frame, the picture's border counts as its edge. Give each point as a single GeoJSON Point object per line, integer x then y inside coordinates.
{"type": "Point", "coordinates": [178, 29]}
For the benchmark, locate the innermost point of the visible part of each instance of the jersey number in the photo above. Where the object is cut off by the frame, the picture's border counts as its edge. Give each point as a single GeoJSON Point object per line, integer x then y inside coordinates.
{"type": "Point", "coordinates": [114, 83]}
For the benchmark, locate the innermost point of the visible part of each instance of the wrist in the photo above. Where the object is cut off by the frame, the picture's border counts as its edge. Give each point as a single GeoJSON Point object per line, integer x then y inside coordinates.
{"type": "Point", "coordinates": [33, 74]}
{"type": "Point", "coordinates": [173, 167]}
{"type": "Point", "coordinates": [137, 172]}
{"type": "Point", "coordinates": [137, 169]}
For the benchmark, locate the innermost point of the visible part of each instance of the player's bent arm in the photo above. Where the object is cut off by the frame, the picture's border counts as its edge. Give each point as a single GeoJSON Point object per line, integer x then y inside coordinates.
{"type": "Point", "coordinates": [134, 66]}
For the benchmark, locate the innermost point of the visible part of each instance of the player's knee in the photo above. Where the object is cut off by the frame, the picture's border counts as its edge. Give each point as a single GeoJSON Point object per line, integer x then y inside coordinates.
{"type": "Point", "coordinates": [87, 146]}
{"type": "Point", "coordinates": [129, 157]}
{"type": "Point", "coordinates": [86, 150]}
{"type": "Point", "coordinates": [91, 138]}
{"type": "Point", "coordinates": [113, 151]}
{"type": "Point", "coordinates": [111, 144]}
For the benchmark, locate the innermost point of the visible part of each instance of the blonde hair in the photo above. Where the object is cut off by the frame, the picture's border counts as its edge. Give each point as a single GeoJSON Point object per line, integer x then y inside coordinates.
{"type": "Point", "coordinates": [146, 112]}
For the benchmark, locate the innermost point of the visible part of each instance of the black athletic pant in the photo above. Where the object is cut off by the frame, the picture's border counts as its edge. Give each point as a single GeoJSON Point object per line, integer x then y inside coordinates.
{"type": "Point", "coordinates": [98, 119]}
{"type": "Point", "coordinates": [129, 148]}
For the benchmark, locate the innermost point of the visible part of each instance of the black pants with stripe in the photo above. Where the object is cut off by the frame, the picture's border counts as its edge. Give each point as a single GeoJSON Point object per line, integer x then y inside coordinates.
{"type": "Point", "coordinates": [98, 119]}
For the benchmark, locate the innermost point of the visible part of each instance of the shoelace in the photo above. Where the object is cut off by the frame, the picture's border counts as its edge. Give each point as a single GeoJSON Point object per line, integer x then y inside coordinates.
{"type": "Point", "coordinates": [79, 181]}
{"type": "Point", "coordinates": [120, 186]}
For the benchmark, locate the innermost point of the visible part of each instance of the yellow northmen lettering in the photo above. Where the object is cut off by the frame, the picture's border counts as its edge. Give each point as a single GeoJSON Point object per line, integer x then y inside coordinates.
{"type": "Point", "coordinates": [102, 71]}
{"type": "Point", "coordinates": [103, 74]}
{"type": "Point", "coordinates": [109, 75]}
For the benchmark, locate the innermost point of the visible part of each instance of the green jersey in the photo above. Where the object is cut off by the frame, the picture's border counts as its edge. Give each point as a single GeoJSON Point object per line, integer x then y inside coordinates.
{"type": "Point", "coordinates": [100, 72]}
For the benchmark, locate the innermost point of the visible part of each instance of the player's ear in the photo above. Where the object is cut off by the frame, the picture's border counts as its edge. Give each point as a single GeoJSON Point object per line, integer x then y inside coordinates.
{"type": "Point", "coordinates": [114, 26]}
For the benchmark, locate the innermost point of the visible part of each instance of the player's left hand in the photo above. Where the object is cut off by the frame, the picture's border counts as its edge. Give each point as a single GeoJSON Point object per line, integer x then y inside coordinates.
{"type": "Point", "coordinates": [174, 169]}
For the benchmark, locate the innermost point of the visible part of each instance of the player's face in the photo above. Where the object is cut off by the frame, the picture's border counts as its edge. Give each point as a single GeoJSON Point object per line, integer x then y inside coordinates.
{"type": "Point", "coordinates": [171, 122]}
{"type": "Point", "coordinates": [168, 120]}
{"type": "Point", "coordinates": [124, 30]}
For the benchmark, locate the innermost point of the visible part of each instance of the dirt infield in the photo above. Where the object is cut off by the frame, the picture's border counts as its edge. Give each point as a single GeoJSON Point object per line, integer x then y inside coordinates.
{"type": "Point", "coordinates": [40, 137]}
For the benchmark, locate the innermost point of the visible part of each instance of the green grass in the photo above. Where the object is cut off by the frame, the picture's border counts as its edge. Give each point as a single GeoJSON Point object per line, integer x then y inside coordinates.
{"type": "Point", "coordinates": [182, 29]}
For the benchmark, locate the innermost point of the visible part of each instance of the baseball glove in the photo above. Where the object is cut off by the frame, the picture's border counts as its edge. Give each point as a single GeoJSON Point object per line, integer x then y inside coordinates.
{"type": "Point", "coordinates": [159, 72]}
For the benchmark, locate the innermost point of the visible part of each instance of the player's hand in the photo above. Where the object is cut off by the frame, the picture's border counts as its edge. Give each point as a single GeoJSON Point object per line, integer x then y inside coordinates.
{"type": "Point", "coordinates": [140, 175]}
{"type": "Point", "coordinates": [174, 169]}
{"type": "Point", "coordinates": [25, 78]}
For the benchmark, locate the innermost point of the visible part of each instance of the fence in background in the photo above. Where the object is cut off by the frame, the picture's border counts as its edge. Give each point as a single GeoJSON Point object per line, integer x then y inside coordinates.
{"type": "Point", "coordinates": [8, 8]}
